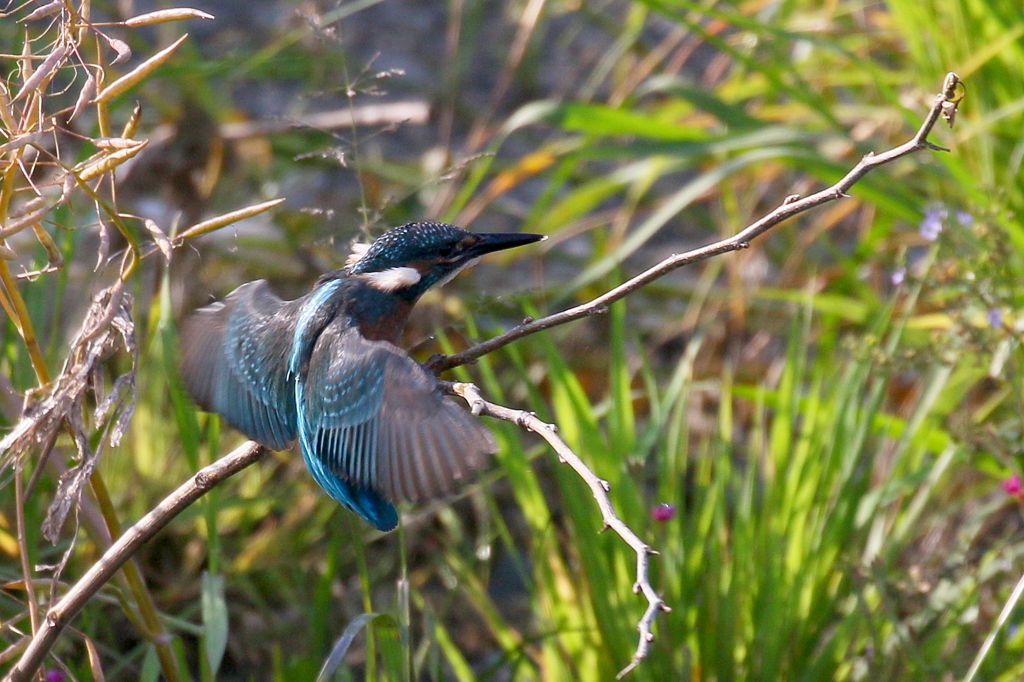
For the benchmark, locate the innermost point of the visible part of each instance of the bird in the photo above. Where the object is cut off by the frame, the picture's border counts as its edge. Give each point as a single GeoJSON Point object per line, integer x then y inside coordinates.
{"type": "Point", "coordinates": [373, 426]}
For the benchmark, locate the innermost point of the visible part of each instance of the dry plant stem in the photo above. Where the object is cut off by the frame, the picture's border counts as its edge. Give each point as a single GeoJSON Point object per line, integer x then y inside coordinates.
{"type": "Point", "coordinates": [154, 627]}
{"type": "Point", "coordinates": [599, 488]}
{"type": "Point", "coordinates": [29, 121]}
{"type": "Point", "coordinates": [123, 548]}
{"type": "Point", "coordinates": [26, 569]}
{"type": "Point", "coordinates": [143, 599]}
{"type": "Point", "coordinates": [790, 207]}
{"type": "Point", "coordinates": [24, 323]}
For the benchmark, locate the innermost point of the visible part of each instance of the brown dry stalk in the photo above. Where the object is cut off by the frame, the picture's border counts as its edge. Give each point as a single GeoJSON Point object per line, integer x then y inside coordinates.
{"type": "Point", "coordinates": [31, 135]}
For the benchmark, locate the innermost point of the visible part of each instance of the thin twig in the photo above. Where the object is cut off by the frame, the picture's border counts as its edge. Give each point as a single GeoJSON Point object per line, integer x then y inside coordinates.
{"type": "Point", "coordinates": [791, 206]}
{"type": "Point", "coordinates": [598, 486]}
{"type": "Point", "coordinates": [149, 525]}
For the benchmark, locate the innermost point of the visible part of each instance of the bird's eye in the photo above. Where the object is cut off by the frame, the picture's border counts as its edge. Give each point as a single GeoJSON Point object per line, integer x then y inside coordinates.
{"type": "Point", "coordinates": [446, 251]}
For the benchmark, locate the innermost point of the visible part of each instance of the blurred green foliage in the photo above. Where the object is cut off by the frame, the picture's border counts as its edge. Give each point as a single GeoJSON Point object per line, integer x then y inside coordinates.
{"type": "Point", "coordinates": [830, 413]}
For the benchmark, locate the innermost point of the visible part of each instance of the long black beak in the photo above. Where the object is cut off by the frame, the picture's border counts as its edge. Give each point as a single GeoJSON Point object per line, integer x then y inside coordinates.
{"type": "Point", "coordinates": [499, 241]}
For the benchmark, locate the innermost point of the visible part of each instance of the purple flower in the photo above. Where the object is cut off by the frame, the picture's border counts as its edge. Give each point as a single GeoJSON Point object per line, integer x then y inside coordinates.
{"type": "Point", "coordinates": [931, 226]}
{"type": "Point", "coordinates": [1012, 486]}
{"type": "Point", "coordinates": [994, 318]}
{"type": "Point", "coordinates": [897, 277]}
{"type": "Point", "coordinates": [663, 512]}
{"type": "Point", "coordinates": [54, 675]}
{"type": "Point", "coordinates": [964, 218]}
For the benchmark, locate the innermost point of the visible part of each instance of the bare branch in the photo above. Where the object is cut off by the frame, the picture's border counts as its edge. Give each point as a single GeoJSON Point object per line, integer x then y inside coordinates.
{"type": "Point", "coordinates": [598, 487]}
{"type": "Point", "coordinates": [944, 105]}
{"type": "Point", "coordinates": [149, 525]}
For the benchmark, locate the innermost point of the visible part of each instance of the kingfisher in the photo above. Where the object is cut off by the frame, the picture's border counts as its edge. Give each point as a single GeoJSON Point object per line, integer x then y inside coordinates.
{"type": "Point", "coordinates": [373, 425]}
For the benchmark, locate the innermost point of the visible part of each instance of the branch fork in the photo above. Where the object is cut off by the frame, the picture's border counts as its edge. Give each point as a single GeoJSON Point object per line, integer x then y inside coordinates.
{"type": "Point", "coordinates": [598, 487]}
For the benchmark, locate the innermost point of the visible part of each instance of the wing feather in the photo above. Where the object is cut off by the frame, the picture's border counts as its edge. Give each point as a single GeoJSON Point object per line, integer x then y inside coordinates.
{"type": "Point", "coordinates": [379, 421]}
{"type": "Point", "coordinates": [374, 426]}
{"type": "Point", "coordinates": [234, 362]}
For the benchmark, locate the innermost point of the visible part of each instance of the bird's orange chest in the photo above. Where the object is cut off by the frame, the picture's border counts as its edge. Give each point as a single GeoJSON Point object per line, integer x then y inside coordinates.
{"type": "Point", "coordinates": [379, 316]}
{"type": "Point", "coordinates": [386, 327]}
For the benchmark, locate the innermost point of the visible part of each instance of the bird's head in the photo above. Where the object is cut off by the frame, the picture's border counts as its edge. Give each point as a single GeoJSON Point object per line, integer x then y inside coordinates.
{"type": "Point", "coordinates": [410, 259]}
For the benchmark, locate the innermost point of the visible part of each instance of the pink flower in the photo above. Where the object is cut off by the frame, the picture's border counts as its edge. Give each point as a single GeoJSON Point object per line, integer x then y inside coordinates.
{"type": "Point", "coordinates": [1012, 486]}
{"type": "Point", "coordinates": [663, 512]}
{"type": "Point", "coordinates": [54, 675]}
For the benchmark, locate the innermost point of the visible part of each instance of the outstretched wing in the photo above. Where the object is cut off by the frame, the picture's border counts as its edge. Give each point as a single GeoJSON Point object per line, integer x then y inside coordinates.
{"type": "Point", "coordinates": [377, 422]}
{"type": "Point", "coordinates": [235, 362]}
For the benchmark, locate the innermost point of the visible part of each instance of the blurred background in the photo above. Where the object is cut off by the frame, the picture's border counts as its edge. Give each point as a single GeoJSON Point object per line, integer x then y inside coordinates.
{"type": "Point", "coordinates": [822, 434]}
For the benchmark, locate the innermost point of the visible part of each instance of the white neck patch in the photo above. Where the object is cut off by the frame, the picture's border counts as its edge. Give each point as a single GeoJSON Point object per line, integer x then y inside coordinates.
{"type": "Point", "coordinates": [358, 251]}
{"type": "Point", "coordinates": [392, 279]}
